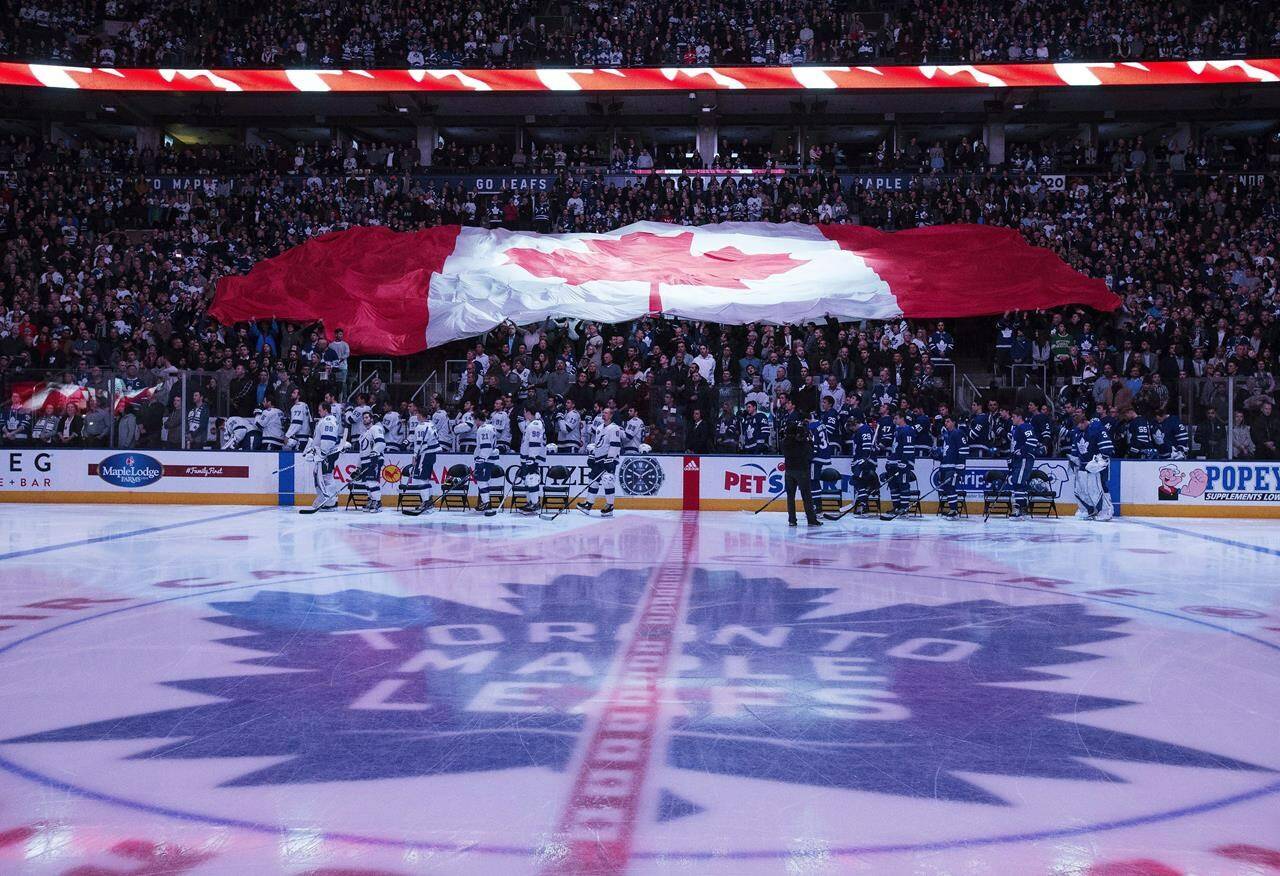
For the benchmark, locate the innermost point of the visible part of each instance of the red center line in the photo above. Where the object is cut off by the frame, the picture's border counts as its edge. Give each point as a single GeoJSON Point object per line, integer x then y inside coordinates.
{"type": "Point", "coordinates": [600, 817]}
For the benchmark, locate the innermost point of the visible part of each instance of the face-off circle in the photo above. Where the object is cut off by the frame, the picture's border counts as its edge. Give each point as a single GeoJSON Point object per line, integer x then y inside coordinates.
{"type": "Point", "coordinates": [922, 700]}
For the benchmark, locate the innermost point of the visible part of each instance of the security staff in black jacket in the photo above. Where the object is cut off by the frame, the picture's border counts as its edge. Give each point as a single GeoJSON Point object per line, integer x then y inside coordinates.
{"type": "Point", "coordinates": [797, 453]}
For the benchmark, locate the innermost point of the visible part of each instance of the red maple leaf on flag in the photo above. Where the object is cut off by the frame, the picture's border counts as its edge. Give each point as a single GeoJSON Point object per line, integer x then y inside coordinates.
{"type": "Point", "coordinates": [654, 259]}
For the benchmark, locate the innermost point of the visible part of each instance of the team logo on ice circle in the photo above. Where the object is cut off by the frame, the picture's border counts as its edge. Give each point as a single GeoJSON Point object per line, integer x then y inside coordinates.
{"type": "Point", "coordinates": [909, 700]}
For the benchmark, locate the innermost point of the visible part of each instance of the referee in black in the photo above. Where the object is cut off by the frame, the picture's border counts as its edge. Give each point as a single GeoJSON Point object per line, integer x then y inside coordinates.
{"type": "Point", "coordinates": [797, 452]}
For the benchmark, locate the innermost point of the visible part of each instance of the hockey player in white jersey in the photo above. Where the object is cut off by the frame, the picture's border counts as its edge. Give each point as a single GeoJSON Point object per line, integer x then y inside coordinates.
{"type": "Point", "coordinates": [500, 419]}
{"type": "Point", "coordinates": [271, 421]}
{"type": "Point", "coordinates": [569, 428]}
{"type": "Point", "coordinates": [602, 465]}
{"type": "Point", "coordinates": [426, 445]}
{"type": "Point", "coordinates": [442, 424]}
{"type": "Point", "coordinates": [488, 473]}
{"type": "Point", "coordinates": [236, 431]}
{"type": "Point", "coordinates": [633, 432]}
{"type": "Point", "coordinates": [300, 424]}
{"type": "Point", "coordinates": [373, 446]}
{"type": "Point", "coordinates": [533, 459]}
{"type": "Point", "coordinates": [323, 449]}
{"type": "Point", "coordinates": [464, 429]}
{"type": "Point", "coordinates": [393, 428]}
{"type": "Point", "coordinates": [354, 416]}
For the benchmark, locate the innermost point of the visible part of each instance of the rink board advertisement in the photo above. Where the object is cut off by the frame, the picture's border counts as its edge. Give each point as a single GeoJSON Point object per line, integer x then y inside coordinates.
{"type": "Point", "coordinates": [139, 476]}
{"type": "Point", "coordinates": [1185, 488]}
{"type": "Point", "coordinates": [641, 482]}
{"type": "Point", "coordinates": [728, 483]}
{"type": "Point", "coordinates": [1200, 488]}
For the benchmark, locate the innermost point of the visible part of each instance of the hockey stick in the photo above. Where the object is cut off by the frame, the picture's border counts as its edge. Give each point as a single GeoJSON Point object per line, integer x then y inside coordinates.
{"type": "Point", "coordinates": [574, 501]}
{"type": "Point", "coordinates": [776, 496]}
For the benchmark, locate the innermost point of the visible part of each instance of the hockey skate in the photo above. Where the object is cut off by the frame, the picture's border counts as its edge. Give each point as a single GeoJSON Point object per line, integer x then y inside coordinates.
{"type": "Point", "coordinates": [373, 507]}
{"type": "Point", "coordinates": [607, 512]}
{"type": "Point", "coordinates": [332, 505]}
{"type": "Point", "coordinates": [584, 507]}
{"type": "Point", "coordinates": [529, 509]}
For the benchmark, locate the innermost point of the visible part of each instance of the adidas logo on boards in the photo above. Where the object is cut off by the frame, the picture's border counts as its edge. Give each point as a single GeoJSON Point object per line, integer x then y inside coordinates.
{"type": "Point", "coordinates": [691, 465]}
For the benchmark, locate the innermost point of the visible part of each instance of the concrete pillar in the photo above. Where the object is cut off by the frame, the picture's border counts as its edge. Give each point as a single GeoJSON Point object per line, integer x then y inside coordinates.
{"type": "Point", "coordinates": [426, 143]}
{"type": "Point", "coordinates": [993, 137]}
{"type": "Point", "coordinates": [708, 139]}
{"type": "Point", "coordinates": [802, 144]}
{"type": "Point", "coordinates": [148, 137]}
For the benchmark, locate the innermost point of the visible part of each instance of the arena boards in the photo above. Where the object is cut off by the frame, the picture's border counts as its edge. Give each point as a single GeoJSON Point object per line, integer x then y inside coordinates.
{"type": "Point", "coordinates": [1188, 488]}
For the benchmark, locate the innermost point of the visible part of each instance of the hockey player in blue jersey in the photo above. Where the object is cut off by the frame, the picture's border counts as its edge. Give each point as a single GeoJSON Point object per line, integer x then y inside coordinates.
{"type": "Point", "coordinates": [1090, 458]}
{"type": "Point", "coordinates": [899, 470]}
{"type": "Point", "coordinates": [753, 428]}
{"type": "Point", "coordinates": [822, 449]}
{"type": "Point", "coordinates": [1023, 449]}
{"type": "Point", "coordinates": [832, 420]}
{"type": "Point", "coordinates": [1171, 437]}
{"type": "Point", "coordinates": [863, 469]}
{"type": "Point", "coordinates": [952, 452]}
{"type": "Point", "coordinates": [1142, 443]}
{"type": "Point", "coordinates": [979, 425]}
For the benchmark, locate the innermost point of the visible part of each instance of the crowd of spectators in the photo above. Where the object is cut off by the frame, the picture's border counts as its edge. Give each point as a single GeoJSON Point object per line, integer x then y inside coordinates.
{"type": "Point", "coordinates": [104, 281]}
{"type": "Point", "coordinates": [618, 33]}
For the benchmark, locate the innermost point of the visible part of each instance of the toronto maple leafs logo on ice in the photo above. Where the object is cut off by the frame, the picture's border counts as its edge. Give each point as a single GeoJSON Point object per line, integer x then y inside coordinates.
{"type": "Point", "coordinates": [774, 681]}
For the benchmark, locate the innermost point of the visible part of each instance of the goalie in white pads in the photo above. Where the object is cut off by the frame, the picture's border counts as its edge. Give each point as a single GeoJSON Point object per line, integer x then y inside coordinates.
{"type": "Point", "coordinates": [533, 459]}
{"type": "Point", "coordinates": [373, 446]}
{"type": "Point", "coordinates": [1090, 459]}
{"type": "Point", "coordinates": [602, 463]}
{"type": "Point", "coordinates": [322, 452]}
{"type": "Point", "coordinates": [488, 473]}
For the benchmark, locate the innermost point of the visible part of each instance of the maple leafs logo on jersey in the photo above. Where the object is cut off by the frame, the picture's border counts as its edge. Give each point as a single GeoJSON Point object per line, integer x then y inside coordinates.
{"type": "Point", "coordinates": [655, 259]}
{"type": "Point", "coordinates": [781, 682]}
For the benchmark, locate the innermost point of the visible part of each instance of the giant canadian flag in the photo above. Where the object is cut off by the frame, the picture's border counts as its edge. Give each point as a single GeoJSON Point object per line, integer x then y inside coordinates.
{"type": "Point", "coordinates": [396, 292]}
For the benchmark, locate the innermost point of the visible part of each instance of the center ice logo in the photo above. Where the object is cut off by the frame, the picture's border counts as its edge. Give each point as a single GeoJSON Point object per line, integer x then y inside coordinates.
{"type": "Point", "coordinates": [771, 684]}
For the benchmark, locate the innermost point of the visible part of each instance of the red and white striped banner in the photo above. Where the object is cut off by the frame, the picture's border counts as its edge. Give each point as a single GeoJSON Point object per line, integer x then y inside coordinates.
{"type": "Point", "coordinates": [1082, 74]}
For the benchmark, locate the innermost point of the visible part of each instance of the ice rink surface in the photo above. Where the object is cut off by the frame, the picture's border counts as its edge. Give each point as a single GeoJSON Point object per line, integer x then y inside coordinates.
{"type": "Point", "coordinates": [246, 690]}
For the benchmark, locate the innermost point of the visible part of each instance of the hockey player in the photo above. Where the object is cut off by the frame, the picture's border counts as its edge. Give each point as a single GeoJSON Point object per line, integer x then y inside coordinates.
{"type": "Point", "coordinates": [603, 465]}
{"type": "Point", "coordinates": [500, 419]}
{"type": "Point", "coordinates": [569, 428]}
{"type": "Point", "coordinates": [1024, 446]}
{"type": "Point", "coordinates": [300, 424]}
{"type": "Point", "coordinates": [236, 432]}
{"type": "Point", "coordinates": [464, 429]}
{"type": "Point", "coordinates": [1142, 443]}
{"type": "Point", "coordinates": [952, 452]}
{"type": "Point", "coordinates": [373, 447]}
{"type": "Point", "coordinates": [753, 430]}
{"type": "Point", "coordinates": [488, 473]}
{"type": "Point", "coordinates": [441, 423]}
{"type": "Point", "coordinates": [354, 416]}
{"type": "Point", "coordinates": [900, 468]}
{"type": "Point", "coordinates": [979, 429]}
{"type": "Point", "coordinates": [323, 449]}
{"type": "Point", "coordinates": [425, 446]}
{"type": "Point", "coordinates": [1090, 458]}
{"type": "Point", "coordinates": [393, 428]}
{"type": "Point", "coordinates": [633, 432]}
{"type": "Point", "coordinates": [822, 449]}
{"type": "Point", "coordinates": [832, 421]}
{"type": "Point", "coordinates": [1171, 437]}
{"type": "Point", "coordinates": [864, 465]}
{"type": "Point", "coordinates": [998, 430]}
{"type": "Point", "coordinates": [271, 421]}
{"type": "Point", "coordinates": [533, 459]}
